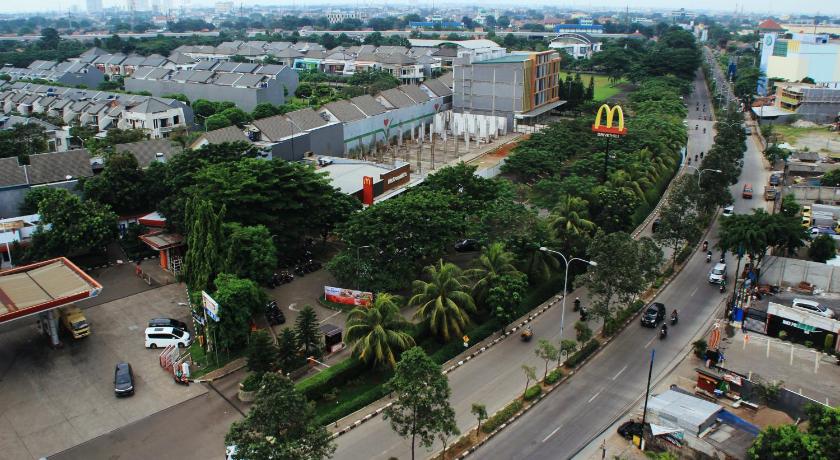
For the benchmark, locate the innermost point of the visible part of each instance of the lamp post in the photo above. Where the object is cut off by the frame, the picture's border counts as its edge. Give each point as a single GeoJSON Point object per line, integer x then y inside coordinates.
{"type": "Point", "coordinates": [566, 281]}
{"type": "Point", "coordinates": [701, 171]}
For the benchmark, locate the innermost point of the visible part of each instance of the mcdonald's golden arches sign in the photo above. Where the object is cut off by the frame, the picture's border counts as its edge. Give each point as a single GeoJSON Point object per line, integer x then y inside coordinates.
{"type": "Point", "coordinates": [609, 128]}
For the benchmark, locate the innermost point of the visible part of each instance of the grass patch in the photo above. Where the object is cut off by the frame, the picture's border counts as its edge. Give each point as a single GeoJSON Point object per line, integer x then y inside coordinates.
{"type": "Point", "coordinates": [603, 88]}
{"type": "Point", "coordinates": [791, 134]}
{"type": "Point", "coordinates": [334, 305]}
{"type": "Point", "coordinates": [204, 363]}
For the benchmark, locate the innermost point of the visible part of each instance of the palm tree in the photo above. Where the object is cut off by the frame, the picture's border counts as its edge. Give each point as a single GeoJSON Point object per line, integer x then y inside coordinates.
{"type": "Point", "coordinates": [493, 263]}
{"type": "Point", "coordinates": [444, 301]}
{"type": "Point", "coordinates": [379, 332]}
{"type": "Point", "coordinates": [623, 179]}
{"type": "Point", "coordinates": [570, 217]}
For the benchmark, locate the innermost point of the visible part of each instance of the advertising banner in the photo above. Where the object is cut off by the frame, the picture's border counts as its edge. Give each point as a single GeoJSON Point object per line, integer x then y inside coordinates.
{"type": "Point", "coordinates": [210, 306]}
{"type": "Point", "coordinates": [347, 296]}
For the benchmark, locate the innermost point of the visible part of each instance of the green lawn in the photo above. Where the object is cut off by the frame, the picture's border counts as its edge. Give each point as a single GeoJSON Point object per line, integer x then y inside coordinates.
{"type": "Point", "coordinates": [603, 88]}
{"type": "Point", "coordinates": [792, 134]}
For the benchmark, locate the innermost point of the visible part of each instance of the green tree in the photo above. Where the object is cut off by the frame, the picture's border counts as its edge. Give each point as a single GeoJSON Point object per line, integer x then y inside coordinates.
{"type": "Point", "coordinates": [822, 249]}
{"type": "Point", "coordinates": [70, 226]}
{"type": "Point", "coordinates": [264, 110]}
{"type": "Point", "coordinates": [238, 300]}
{"type": "Point", "coordinates": [378, 332]}
{"type": "Point", "coordinates": [830, 178]}
{"type": "Point", "coordinates": [217, 121]}
{"type": "Point", "coordinates": [789, 206]}
{"type": "Point", "coordinates": [280, 425]}
{"type": "Point", "coordinates": [615, 206]}
{"type": "Point", "coordinates": [570, 217]}
{"type": "Point", "coordinates": [582, 332]}
{"type": "Point", "coordinates": [236, 116]}
{"type": "Point", "coordinates": [262, 354]}
{"type": "Point", "coordinates": [784, 442]}
{"type": "Point", "coordinates": [421, 407]}
{"type": "Point", "coordinates": [288, 351]}
{"type": "Point", "coordinates": [122, 185]}
{"type": "Point", "coordinates": [547, 352]}
{"type": "Point", "coordinates": [505, 297]}
{"type": "Point", "coordinates": [204, 244]}
{"type": "Point", "coordinates": [204, 108]}
{"type": "Point", "coordinates": [471, 192]}
{"type": "Point", "coordinates": [34, 196]}
{"type": "Point", "coordinates": [308, 331]}
{"type": "Point", "coordinates": [678, 221]}
{"type": "Point", "coordinates": [480, 413]}
{"type": "Point", "coordinates": [530, 375]}
{"type": "Point", "coordinates": [494, 262]}
{"type": "Point", "coordinates": [444, 302]}
{"type": "Point", "coordinates": [250, 252]}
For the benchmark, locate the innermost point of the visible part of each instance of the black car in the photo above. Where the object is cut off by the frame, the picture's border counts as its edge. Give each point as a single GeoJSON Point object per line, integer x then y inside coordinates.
{"type": "Point", "coordinates": [123, 380]}
{"type": "Point", "coordinates": [168, 322]}
{"type": "Point", "coordinates": [468, 245]}
{"type": "Point", "coordinates": [274, 314]}
{"type": "Point", "coordinates": [630, 428]}
{"type": "Point", "coordinates": [655, 226]}
{"type": "Point", "coordinates": [653, 315]}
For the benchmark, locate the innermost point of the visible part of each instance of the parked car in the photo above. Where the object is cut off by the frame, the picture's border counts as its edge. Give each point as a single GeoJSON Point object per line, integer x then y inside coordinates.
{"type": "Point", "coordinates": [123, 380]}
{"type": "Point", "coordinates": [468, 245]}
{"type": "Point", "coordinates": [653, 315]}
{"type": "Point", "coordinates": [273, 314]}
{"type": "Point", "coordinates": [748, 191]}
{"type": "Point", "coordinates": [728, 211]}
{"type": "Point", "coordinates": [167, 322]}
{"type": "Point", "coordinates": [629, 428]}
{"type": "Point", "coordinates": [718, 273]}
{"type": "Point", "coordinates": [164, 336]}
{"type": "Point", "coordinates": [812, 307]}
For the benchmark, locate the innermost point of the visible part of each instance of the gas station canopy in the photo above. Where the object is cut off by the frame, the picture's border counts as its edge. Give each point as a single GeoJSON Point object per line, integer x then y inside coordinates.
{"type": "Point", "coordinates": [42, 286]}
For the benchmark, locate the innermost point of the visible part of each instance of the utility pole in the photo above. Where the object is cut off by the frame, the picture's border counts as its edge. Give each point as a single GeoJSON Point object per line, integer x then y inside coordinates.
{"type": "Point", "coordinates": [647, 393]}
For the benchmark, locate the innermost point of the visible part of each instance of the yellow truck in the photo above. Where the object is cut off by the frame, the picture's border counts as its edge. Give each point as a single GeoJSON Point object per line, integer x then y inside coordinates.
{"type": "Point", "coordinates": [74, 321]}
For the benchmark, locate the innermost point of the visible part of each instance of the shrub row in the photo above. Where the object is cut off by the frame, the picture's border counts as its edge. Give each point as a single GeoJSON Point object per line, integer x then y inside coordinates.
{"type": "Point", "coordinates": [684, 254]}
{"type": "Point", "coordinates": [314, 387]}
{"type": "Point", "coordinates": [502, 416]}
{"type": "Point", "coordinates": [349, 406]}
{"type": "Point", "coordinates": [583, 353]}
{"type": "Point", "coordinates": [553, 377]}
{"type": "Point", "coordinates": [532, 392]}
{"type": "Point", "coordinates": [613, 325]}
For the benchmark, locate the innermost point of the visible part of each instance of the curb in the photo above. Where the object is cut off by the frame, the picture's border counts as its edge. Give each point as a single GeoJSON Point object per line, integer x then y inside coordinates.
{"type": "Point", "coordinates": [477, 350]}
{"type": "Point", "coordinates": [231, 371]}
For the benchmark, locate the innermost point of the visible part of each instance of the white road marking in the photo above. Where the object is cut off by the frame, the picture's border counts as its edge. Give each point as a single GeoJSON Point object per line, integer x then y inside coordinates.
{"type": "Point", "coordinates": [552, 433]}
{"type": "Point", "coordinates": [328, 317]}
{"type": "Point", "coordinates": [650, 342]}
{"type": "Point", "coordinates": [292, 307]}
{"type": "Point", "coordinates": [593, 397]}
{"type": "Point", "coordinates": [693, 292]}
{"type": "Point", "coordinates": [619, 372]}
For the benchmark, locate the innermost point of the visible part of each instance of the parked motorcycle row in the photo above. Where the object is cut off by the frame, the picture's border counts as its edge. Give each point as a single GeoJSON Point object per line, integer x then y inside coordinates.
{"type": "Point", "coordinates": [283, 277]}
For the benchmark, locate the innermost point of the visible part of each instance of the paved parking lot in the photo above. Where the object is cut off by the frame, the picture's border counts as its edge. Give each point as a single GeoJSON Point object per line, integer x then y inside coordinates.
{"type": "Point", "coordinates": [51, 400]}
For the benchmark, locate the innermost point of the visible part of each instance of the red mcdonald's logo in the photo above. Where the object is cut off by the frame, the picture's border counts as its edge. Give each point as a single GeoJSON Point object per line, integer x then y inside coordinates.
{"type": "Point", "coordinates": [367, 190]}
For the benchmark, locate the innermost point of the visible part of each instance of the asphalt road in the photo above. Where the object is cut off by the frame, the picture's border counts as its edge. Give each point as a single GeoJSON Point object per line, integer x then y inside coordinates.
{"type": "Point", "coordinates": [193, 429]}
{"type": "Point", "coordinates": [615, 380]}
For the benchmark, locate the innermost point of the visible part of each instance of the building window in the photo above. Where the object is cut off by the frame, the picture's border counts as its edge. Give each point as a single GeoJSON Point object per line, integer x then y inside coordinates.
{"type": "Point", "coordinates": [176, 120]}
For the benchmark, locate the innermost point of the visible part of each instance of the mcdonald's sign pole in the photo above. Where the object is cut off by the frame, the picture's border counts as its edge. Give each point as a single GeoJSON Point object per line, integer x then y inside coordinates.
{"type": "Point", "coordinates": [607, 129]}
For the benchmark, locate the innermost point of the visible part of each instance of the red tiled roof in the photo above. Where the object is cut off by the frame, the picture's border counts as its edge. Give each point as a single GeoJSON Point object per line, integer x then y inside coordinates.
{"type": "Point", "coordinates": [769, 24]}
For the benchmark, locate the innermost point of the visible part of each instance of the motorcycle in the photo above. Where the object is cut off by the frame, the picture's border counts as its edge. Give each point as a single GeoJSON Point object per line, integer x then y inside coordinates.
{"type": "Point", "coordinates": [696, 127]}
{"type": "Point", "coordinates": [584, 314]}
{"type": "Point", "coordinates": [674, 318]}
{"type": "Point", "coordinates": [705, 245]}
{"type": "Point", "coordinates": [663, 332]}
{"type": "Point", "coordinates": [709, 257]}
{"type": "Point", "coordinates": [696, 158]}
{"type": "Point", "coordinates": [701, 154]}
{"type": "Point", "coordinates": [704, 130]}
{"type": "Point", "coordinates": [577, 304]}
{"type": "Point", "coordinates": [527, 334]}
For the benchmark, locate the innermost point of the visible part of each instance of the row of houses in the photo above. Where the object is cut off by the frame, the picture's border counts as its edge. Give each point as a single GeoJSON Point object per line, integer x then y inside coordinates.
{"type": "Point", "coordinates": [343, 128]}
{"type": "Point", "coordinates": [245, 84]}
{"type": "Point", "coordinates": [65, 73]}
{"type": "Point", "coordinates": [158, 117]}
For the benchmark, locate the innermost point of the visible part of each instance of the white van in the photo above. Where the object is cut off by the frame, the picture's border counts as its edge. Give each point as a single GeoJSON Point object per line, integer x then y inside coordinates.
{"type": "Point", "coordinates": [812, 307]}
{"type": "Point", "coordinates": [162, 337]}
{"type": "Point", "coordinates": [718, 274]}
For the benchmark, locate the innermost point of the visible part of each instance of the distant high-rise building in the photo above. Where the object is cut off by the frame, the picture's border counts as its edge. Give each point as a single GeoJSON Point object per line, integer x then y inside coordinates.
{"type": "Point", "coordinates": [224, 7]}
{"type": "Point", "coordinates": [94, 6]}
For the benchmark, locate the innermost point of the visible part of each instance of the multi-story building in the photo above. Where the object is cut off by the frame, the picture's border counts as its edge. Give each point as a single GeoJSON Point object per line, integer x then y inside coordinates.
{"type": "Point", "coordinates": [819, 104]}
{"type": "Point", "coordinates": [339, 16]}
{"type": "Point", "coordinates": [803, 55]}
{"type": "Point", "coordinates": [577, 44]}
{"type": "Point", "coordinates": [517, 86]}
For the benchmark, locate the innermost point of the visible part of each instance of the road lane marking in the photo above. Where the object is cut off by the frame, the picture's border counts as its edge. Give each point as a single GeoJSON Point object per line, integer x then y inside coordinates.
{"type": "Point", "coordinates": [328, 317]}
{"type": "Point", "coordinates": [619, 372]}
{"type": "Point", "coordinates": [650, 342]}
{"type": "Point", "coordinates": [693, 292]}
{"type": "Point", "coordinates": [594, 396]}
{"type": "Point", "coordinates": [552, 433]}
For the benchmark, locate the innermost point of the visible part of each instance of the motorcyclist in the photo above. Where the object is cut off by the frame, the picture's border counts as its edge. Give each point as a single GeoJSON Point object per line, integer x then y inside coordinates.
{"type": "Point", "coordinates": [701, 154]}
{"type": "Point", "coordinates": [696, 127]}
{"type": "Point", "coordinates": [695, 157]}
{"type": "Point", "coordinates": [674, 316]}
{"type": "Point", "coordinates": [577, 303]}
{"type": "Point", "coordinates": [704, 130]}
{"type": "Point", "coordinates": [709, 256]}
{"type": "Point", "coordinates": [664, 331]}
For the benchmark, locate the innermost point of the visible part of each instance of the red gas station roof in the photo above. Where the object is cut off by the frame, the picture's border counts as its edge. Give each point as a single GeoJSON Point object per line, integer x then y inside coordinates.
{"type": "Point", "coordinates": [43, 286]}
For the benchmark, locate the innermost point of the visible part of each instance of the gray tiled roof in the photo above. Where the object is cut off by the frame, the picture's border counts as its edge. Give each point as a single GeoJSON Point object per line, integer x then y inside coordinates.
{"type": "Point", "coordinates": [306, 119]}
{"type": "Point", "coordinates": [45, 168]}
{"type": "Point", "coordinates": [344, 111]}
{"type": "Point", "coordinates": [446, 79]}
{"type": "Point", "coordinates": [11, 173]}
{"type": "Point", "coordinates": [275, 128]}
{"type": "Point", "coordinates": [228, 134]}
{"type": "Point", "coordinates": [415, 93]}
{"type": "Point", "coordinates": [146, 151]}
{"type": "Point", "coordinates": [437, 87]}
{"type": "Point", "coordinates": [204, 65]}
{"type": "Point", "coordinates": [368, 105]}
{"type": "Point", "coordinates": [396, 98]}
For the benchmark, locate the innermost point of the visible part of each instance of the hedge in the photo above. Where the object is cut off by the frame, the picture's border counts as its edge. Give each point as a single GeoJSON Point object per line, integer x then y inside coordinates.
{"type": "Point", "coordinates": [614, 324]}
{"type": "Point", "coordinates": [501, 417]}
{"type": "Point", "coordinates": [532, 392]}
{"type": "Point", "coordinates": [553, 377]}
{"type": "Point", "coordinates": [346, 408]}
{"type": "Point", "coordinates": [583, 353]}
{"type": "Point", "coordinates": [684, 253]}
{"type": "Point", "coordinates": [314, 387]}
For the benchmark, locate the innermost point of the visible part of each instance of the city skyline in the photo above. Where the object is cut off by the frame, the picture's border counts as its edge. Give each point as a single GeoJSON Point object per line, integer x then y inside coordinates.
{"type": "Point", "coordinates": [720, 6]}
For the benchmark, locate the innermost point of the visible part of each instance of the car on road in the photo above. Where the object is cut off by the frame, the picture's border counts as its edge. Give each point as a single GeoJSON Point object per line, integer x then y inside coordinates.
{"type": "Point", "coordinates": [468, 245]}
{"type": "Point", "coordinates": [123, 380]}
{"type": "Point", "coordinates": [812, 307]}
{"type": "Point", "coordinates": [655, 225]}
{"type": "Point", "coordinates": [653, 315]}
{"type": "Point", "coordinates": [167, 322]}
{"type": "Point", "coordinates": [728, 211]}
{"type": "Point", "coordinates": [718, 273]}
{"type": "Point", "coordinates": [161, 337]}
{"type": "Point", "coordinates": [748, 191]}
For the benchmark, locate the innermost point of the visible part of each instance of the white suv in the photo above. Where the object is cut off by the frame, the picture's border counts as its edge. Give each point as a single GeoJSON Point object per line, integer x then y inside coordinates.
{"type": "Point", "coordinates": [718, 274]}
{"type": "Point", "coordinates": [812, 307]}
{"type": "Point", "coordinates": [164, 336]}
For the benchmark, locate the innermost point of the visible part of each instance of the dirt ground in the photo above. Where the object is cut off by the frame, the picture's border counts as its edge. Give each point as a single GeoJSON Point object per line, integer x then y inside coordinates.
{"type": "Point", "coordinates": [813, 138]}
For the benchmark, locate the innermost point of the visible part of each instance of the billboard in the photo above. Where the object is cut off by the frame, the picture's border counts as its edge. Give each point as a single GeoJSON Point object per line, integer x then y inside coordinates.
{"type": "Point", "coordinates": [347, 296]}
{"type": "Point", "coordinates": [210, 306]}
{"type": "Point", "coordinates": [608, 130]}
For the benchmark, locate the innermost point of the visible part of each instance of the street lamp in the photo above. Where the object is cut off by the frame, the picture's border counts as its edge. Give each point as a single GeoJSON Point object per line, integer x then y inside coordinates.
{"type": "Point", "coordinates": [701, 171]}
{"type": "Point", "coordinates": [566, 281]}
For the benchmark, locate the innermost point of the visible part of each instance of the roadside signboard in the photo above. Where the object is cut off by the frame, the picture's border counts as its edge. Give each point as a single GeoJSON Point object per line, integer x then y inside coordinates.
{"type": "Point", "coordinates": [347, 296]}
{"type": "Point", "coordinates": [210, 306]}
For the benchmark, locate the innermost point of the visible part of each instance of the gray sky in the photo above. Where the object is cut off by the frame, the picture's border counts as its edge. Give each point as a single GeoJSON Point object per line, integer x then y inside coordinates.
{"type": "Point", "coordinates": [776, 7]}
